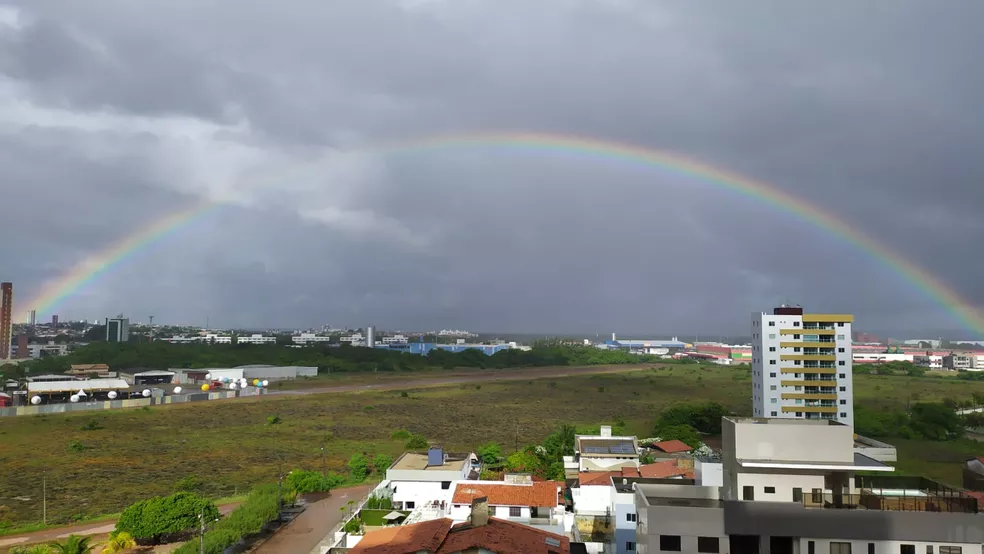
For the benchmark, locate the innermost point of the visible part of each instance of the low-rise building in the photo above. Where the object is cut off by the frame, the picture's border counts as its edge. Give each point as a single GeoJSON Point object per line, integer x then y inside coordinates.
{"type": "Point", "coordinates": [604, 452]}
{"type": "Point", "coordinates": [531, 502]}
{"type": "Point", "coordinates": [256, 338]}
{"type": "Point", "coordinates": [418, 479]}
{"type": "Point", "coordinates": [791, 487]}
{"type": "Point", "coordinates": [479, 534]}
{"type": "Point", "coordinates": [310, 338]}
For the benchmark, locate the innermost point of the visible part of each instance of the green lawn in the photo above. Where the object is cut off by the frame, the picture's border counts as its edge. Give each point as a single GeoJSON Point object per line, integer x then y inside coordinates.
{"type": "Point", "coordinates": [374, 518]}
{"type": "Point", "coordinates": [144, 452]}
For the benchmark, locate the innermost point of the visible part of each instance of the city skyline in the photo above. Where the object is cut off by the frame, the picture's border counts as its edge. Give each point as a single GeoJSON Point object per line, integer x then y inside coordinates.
{"type": "Point", "coordinates": [506, 173]}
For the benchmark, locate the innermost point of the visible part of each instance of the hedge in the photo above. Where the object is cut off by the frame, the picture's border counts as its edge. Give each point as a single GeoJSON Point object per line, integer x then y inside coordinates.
{"type": "Point", "coordinates": [163, 517]}
{"type": "Point", "coordinates": [259, 508]}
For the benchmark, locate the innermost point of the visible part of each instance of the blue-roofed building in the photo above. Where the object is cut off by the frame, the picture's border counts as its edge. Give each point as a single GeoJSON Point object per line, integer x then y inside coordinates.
{"type": "Point", "coordinates": [651, 346]}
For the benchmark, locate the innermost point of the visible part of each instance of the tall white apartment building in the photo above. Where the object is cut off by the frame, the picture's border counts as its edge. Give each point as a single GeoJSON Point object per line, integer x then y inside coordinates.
{"type": "Point", "coordinates": [801, 365]}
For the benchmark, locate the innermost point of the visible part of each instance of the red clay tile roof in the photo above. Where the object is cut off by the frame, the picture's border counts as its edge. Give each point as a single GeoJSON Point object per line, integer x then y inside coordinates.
{"type": "Point", "coordinates": [597, 477]}
{"type": "Point", "coordinates": [661, 470]}
{"type": "Point", "coordinates": [502, 537]}
{"type": "Point", "coordinates": [406, 539]}
{"type": "Point", "coordinates": [539, 494]}
{"type": "Point", "coordinates": [673, 446]}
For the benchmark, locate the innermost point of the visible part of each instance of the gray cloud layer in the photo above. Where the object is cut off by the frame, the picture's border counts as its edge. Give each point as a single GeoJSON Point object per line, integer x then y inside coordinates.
{"type": "Point", "coordinates": [115, 113]}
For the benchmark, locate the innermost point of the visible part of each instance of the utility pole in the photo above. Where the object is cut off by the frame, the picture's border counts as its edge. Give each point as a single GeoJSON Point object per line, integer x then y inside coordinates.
{"type": "Point", "coordinates": [201, 535]}
{"type": "Point", "coordinates": [44, 498]}
{"type": "Point", "coordinates": [324, 461]}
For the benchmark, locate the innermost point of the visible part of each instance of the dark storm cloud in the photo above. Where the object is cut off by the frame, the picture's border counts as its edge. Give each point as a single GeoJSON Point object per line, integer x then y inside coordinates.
{"type": "Point", "coordinates": [146, 105]}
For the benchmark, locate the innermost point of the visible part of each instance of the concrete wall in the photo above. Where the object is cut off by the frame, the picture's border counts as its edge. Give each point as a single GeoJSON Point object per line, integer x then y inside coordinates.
{"type": "Point", "coordinates": [688, 523]}
{"type": "Point", "coordinates": [782, 483]}
{"type": "Point", "coordinates": [592, 499]}
{"type": "Point", "coordinates": [789, 440]}
{"type": "Point", "coordinates": [708, 474]}
{"type": "Point", "coordinates": [822, 546]}
{"type": "Point", "coordinates": [113, 404]}
{"type": "Point", "coordinates": [420, 492]}
{"type": "Point", "coordinates": [794, 520]}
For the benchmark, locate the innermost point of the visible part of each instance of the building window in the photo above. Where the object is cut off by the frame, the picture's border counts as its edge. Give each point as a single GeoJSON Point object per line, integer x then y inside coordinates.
{"type": "Point", "coordinates": [708, 545]}
{"type": "Point", "coordinates": [772, 324]}
{"type": "Point", "coordinates": [629, 546]}
{"type": "Point", "coordinates": [770, 490]}
{"type": "Point", "coordinates": [871, 548]}
{"type": "Point", "coordinates": [748, 493]}
{"type": "Point", "coordinates": [631, 518]}
{"type": "Point", "coordinates": [840, 349]}
{"type": "Point", "coordinates": [772, 336]}
{"type": "Point", "coordinates": [669, 543]}
{"type": "Point", "coordinates": [772, 387]}
{"type": "Point", "coordinates": [929, 549]}
{"type": "Point", "coordinates": [796, 324]}
{"type": "Point", "coordinates": [772, 349]}
{"type": "Point", "coordinates": [796, 337]}
{"type": "Point", "coordinates": [772, 362]}
{"type": "Point", "coordinates": [797, 494]}
{"type": "Point", "coordinates": [843, 389]}
{"type": "Point", "coordinates": [843, 402]}
{"type": "Point", "coordinates": [796, 362]}
{"type": "Point", "coordinates": [842, 376]}
{"type": "Point", "coordinates": [773, 414]}
{"type": "Point", "coordinates": [515, 511]}
{"type": "Point", "coordinates": [840, 324]}
{"type": "Point", "coordinates": [811, 547]}
{"type": "Point", "coordinates": [840, 547]}
{"type": "Point", "coordinates": [841, 362]}
{"type": "Point", "coordinates": [840, 337]}
{"type": "Point", "coordinates": [796, 349]}
{"type": "Point", "coordinates": [773, 401]}
{"type": "Point", "coordinates": [772, 375]}
{"type": "Point", "coordinates": [410, 505]}
{"type": "Point", "coordinates": [907, 549]}
{"type": "Point", "coordinates": [950, 550]}
{"type": "Point", "coordinates": [799, 414]}
{"type": "Point", "coordinates": [843, 414]}
{"type": "Point", "coordinates": [445, 485]}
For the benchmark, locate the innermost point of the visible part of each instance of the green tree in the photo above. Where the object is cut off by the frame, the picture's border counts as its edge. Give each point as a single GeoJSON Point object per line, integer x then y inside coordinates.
{"type": "Point", "coordinates": [155, 519]}
{"type": "Point", "coordinates": [936, 421]}
{"type": "Point", "coordinates": [489, 453]}
{"type": "Point", "coordinates": [74, 544]}
{"type": "Point", "coordinates": [359, 467]}
{"type": "Point", "coordinates": [382, 462]}
{"type": "Point", "coordinates": [705, 418]}
{"type": "Point", "coordinates": [684, 433]}
{"type": "Point", "coordinates": [416, 442]}
{"type": "Point", "coordinates": [523, 461]}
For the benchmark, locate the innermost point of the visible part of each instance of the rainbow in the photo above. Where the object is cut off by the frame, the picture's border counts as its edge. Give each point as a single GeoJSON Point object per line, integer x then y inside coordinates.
{"type": "Point", "coordinates": [93, 267]}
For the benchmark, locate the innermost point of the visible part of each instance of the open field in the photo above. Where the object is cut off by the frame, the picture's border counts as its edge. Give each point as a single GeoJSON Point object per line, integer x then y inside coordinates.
{"type": "Point", "coordinates": [142, 452]}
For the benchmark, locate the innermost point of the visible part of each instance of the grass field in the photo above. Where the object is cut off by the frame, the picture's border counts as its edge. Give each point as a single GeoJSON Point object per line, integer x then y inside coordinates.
{"type": "Point", "coordinates": [229, 444]}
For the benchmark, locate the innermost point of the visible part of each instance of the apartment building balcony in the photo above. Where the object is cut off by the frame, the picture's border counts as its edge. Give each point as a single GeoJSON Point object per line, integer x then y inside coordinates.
{"type": "Point", "coordinates": [809, 370]}
{"type": "Point", "coordinates": [808, 396]}
{"type": "Point", "coordinates": [808, 357]}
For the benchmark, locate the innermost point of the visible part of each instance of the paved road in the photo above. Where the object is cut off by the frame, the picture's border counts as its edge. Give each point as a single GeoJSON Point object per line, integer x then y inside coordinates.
{"type": "Point", "coordinates": [472, 377]}
{"type": "Point", "coordinates": [307, 530]}
{"type": "Point", "coordinates": [87, 529]}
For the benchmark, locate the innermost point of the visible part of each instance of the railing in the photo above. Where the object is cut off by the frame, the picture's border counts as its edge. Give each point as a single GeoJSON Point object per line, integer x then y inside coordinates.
{"type": "Point", "coordinates": [328, 541]}
{"type": "Point", "coordinates": [901, 503]}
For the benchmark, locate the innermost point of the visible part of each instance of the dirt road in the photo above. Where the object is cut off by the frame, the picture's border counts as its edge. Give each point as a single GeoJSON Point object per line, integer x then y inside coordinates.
{"type": "Point", "coordinates": [85, 529]}
{"type": "Point", "coordinates": [479, 376]}
{"type": "Point", "coordinates": [305, 532]}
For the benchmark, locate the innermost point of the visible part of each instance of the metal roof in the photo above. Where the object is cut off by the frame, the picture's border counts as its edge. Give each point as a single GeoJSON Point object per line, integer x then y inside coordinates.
{"type": "Point", "coordinates": [154, 373]}
{"type": "Point", "coordinates": [73, 386]}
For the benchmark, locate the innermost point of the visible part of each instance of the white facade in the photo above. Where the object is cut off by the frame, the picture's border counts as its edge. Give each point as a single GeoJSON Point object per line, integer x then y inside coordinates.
{"type": "Point", "coordinates": [802, 366]}
{"type": "Point", "coordinates": [256, 339]}
{"type": "Point", "coordinates": [593, 500]}
{"type": "Point", "coordinates": [309, 338]}
{"type": "Point", "coordinates": [932, 361]}
{"type": "Point", "coordinates": [881, 357]}
{"type": "Point", "coordinates": [396, 339]}
{"type": "Point", "coordinates": [413, 494]}
{"type": "Point", "coordinates": [353, 339]}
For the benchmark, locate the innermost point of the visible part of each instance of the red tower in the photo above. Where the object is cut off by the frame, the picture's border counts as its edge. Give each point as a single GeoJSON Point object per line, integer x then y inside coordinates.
{"type": "Point", "coordinates": [6, 305]}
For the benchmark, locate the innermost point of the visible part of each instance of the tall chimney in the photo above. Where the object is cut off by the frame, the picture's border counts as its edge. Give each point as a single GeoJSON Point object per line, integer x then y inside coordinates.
{"type": "Point", "coordinates": [479, 511]}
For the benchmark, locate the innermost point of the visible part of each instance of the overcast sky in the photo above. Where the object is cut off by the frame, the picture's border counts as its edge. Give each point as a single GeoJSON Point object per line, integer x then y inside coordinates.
{"type": "Point", "coordinates": [115, 113]}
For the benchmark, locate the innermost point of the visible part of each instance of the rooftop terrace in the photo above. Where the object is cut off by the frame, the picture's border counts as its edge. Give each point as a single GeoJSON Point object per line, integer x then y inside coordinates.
{"type": "Point", "coordinates": [418, 462]}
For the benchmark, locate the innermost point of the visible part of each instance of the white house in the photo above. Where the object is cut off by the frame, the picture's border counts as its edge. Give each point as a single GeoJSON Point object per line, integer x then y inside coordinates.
{"type": "Point", "coordinates": [539, 503]}
{"type": "Point", "coordinates": [417, 479]}
{"type": "Point", "coordinates": [605, 452]}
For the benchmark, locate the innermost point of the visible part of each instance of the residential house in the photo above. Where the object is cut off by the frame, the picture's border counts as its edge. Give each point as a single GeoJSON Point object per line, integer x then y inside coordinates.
{"type": "Point", "coordinates": [792, 487]}
{"type": "Point", "coordinates": [479, 534]}
{"type": "Point", "coordinates": [531, 502]}
{"type": "Point", "coordinates": [416, 479]}
{"type": "Point", "coordinates": [605, 452]}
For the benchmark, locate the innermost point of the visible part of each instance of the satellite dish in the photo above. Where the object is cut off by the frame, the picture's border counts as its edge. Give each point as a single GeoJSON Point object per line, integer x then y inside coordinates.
{"type": "Point", "coordinates": [35, 400]}
{"type": "Point", "coordinates": [112, 395]}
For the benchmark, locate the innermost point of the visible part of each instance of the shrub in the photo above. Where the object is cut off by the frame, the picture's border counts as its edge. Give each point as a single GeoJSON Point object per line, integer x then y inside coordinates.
{"type": "Point", "coordinates": [273, 420]}
{"type": "Point", "coordinates": [382, 462]}
{"type": "Point", "coordinates": [92, 425]}
{"type": "Point", "coordinates": [77, 446]}
{"type": "Point", "coordinates": [155, 519]}
{"type": "Point", "coordinates": [260, 507]}
{"type": "Point", "coordinates": [376, 503]}
{"type": "Point", "coordinates": [404, 394]}
{"type": "Point", "coordinates": [416, 442]}
{"type": "Point", "coordinates": [190, 483]}
{"type": "Point", "coordinates": [304, 482]}
{"type": "Point", "coordinates": [119, 542]}
{"type": "Point", "coordinates": [359, 466]}
{"type": "Point", "coordinates": [32, 549]}
{"type": "Point", "coordinates": [354, 525]}
{"type": "Point", "coordinates": [74, 544]}
{"type": "Point", "coordinates": [400, 434]}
